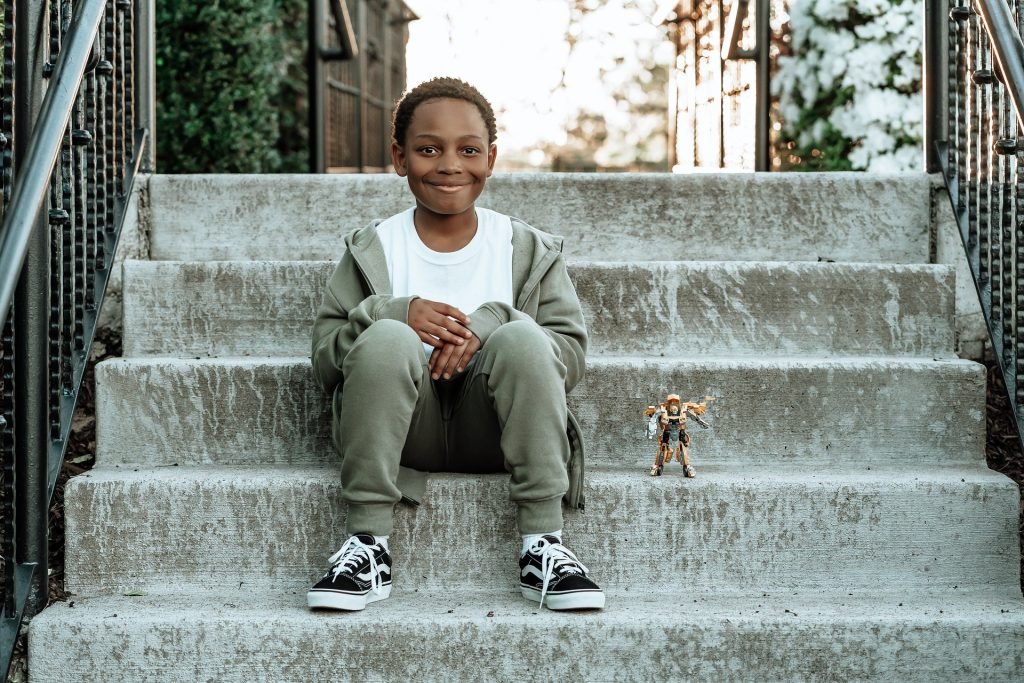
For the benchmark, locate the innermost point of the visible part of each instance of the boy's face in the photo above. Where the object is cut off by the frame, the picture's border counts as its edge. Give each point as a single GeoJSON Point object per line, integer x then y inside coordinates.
{"type": "Point", "coordinates": [446, 156]}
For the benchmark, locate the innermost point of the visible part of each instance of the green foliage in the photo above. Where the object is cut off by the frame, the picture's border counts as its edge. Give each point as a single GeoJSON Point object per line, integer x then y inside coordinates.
{"type": "Point", "coordinates": [849, 86]}
{"type": "Point", "coordinates": [229, 97]}
{"type": "Point", "coordinates": [831, 150]}
{"type": "Point", "coordinates": [292, 95]}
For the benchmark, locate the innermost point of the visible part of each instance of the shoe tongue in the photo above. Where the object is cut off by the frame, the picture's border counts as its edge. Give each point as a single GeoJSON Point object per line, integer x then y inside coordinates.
{"type": "Point", "coordinates": [552, 539]}
{"type": "Point", "coordinates": [365, 539]}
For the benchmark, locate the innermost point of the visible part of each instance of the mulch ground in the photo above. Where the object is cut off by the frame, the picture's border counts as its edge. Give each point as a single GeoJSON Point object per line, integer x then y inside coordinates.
{"type": "Point", "coordinates": [1002, 451]}
{"type": "Point", "coordinates": [79, 457]}
{"type": "Point", "coordinates": [1002, 446]}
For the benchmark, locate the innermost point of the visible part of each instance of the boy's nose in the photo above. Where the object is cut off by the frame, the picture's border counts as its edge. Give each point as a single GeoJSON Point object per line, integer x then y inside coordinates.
{"type": "Point", "coordinates": [450, 163]}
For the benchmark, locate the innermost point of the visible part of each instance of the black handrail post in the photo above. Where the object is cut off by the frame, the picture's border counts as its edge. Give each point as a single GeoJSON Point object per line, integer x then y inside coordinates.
{"type": "Point", "coordinates": [316, 87]}
{"type": "Point", "coordinates": [361, 23]}
{"type": "Point", "coordinates": [145, 81]}
{"type": "Point", "coordinates": [720, 83]}
{"type": "Point", "coordinates": [31, 310]}
{"type": "Point", "coordinates": [762, 157]}
{"type": "Point", "coordinates": [935, 80]}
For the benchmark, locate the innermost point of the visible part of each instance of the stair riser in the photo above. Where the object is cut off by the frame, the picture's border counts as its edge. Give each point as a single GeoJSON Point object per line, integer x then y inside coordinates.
{"type": "Point", "coordinates": [822, 413]}
{"type": "Point", "coordinates": [788, 217]}
{"type": "Point", "coordinates": [267, 308]}
{"type": "Point", "coordinates": [349, 647]}
{"type": "Point", "coordinates": [715, 533]}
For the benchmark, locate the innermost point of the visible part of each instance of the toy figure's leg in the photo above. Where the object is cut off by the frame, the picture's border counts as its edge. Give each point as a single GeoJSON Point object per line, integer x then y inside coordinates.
{"type": "Point", "coordinates": [664, 454]}
{"type": "Point", "coordinates": [656, 468]}
{"type": "Point", "coordinates": [512, 415]}
{"type": "Point", "coordinates": [684, 444]}
{"type": "Point", "coordinates": [386, 390]}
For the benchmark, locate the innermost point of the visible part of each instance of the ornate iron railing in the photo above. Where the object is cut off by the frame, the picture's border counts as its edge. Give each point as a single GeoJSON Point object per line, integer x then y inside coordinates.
{"type": "Point", "coordinates": [76, 110]}
{"type": "Point", "coordinates": [976, 60]}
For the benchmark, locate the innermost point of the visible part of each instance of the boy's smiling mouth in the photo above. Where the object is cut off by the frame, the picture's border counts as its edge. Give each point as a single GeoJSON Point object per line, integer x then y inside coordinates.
{"type": "Point", "coordinates": [447, 188]}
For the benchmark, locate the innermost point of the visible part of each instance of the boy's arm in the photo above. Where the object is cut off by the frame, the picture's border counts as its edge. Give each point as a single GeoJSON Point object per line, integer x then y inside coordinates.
{"type": "Point", "coordinates": [558, 313]}
{"type": "Point", "coordinates": [344, 313]}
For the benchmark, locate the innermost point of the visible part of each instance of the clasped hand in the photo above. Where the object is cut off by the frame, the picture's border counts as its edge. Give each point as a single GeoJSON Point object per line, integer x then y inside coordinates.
{"type": "Point", "coordinates": [445, 328]}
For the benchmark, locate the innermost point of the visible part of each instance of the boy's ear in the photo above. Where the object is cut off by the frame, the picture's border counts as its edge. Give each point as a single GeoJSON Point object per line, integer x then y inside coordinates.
{"type": "Point", "coordinates": [398, 159]}
{"type": "Point", "coordinates": [492, 154]}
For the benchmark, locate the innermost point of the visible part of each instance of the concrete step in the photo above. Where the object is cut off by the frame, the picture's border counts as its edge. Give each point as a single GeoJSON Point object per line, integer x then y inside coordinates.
{"type": "Point", "coordinates": [609, 217]}
{"type": "Point", "coordinates": [690, 308]}
{"type": "Point", "coordinates": [746, 530]}
{"type": "Point", "coordinates": [817, 412]}
{"type": "Point", "coordinates": [658, 632]}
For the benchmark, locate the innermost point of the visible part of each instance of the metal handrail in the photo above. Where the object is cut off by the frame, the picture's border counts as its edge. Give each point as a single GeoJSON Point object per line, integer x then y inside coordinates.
{"type": "Point", "coordinates": [760, 54]}
{"type": "Point", "coordinates": [975, 140]}
{"type": "Point", "coordinates": [29, 194]}
{"type": "Point", "coordinates": [75, 151]}
{"type": "Point", "coordinates": [734, 33]}
{"type": "Point", "coordinates": [1007, 47]}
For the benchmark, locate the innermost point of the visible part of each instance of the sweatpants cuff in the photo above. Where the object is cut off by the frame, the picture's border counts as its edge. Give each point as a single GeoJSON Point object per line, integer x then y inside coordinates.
{"type": "Point", "coordinates": [376, 519]}
{"type": "Point", "coordinates": [539, 516]}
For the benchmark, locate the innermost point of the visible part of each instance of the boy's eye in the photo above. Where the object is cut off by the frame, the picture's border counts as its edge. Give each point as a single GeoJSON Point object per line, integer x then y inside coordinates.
{"type": "Point", "coordinates": [429, 149]}
{"type": "Point", "coordinates": [471, 151]}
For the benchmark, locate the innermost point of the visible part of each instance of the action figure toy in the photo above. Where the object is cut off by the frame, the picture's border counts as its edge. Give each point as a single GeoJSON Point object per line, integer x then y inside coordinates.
{"type": "Point", "coordinates": [668, 418]}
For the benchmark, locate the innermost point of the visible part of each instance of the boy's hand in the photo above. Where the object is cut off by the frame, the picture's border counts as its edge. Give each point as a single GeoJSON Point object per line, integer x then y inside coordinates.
{"type": "Point", "coordinates": [452, 358]}
{"type": "Point", "coordinates": [438, 324]}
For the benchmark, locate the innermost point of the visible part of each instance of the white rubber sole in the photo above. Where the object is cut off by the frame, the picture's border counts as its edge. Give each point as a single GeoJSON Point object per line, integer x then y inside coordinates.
{"type": "Point", "coordinates": [349, 602]}
{"type": "Point", "coordinates": [566, 601]}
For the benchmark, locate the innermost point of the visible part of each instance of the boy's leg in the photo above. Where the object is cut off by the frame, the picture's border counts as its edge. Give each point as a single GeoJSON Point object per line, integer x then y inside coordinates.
{"type": "Point", "coordinates": [512, 406]}
{"type": "Point", "coordinates": [387, 400]}
{"type": "Point", "coordinates": [387, 393]}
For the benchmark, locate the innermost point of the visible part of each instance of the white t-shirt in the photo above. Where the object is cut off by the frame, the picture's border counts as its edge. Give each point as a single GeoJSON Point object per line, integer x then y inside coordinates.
{"type": "Point", "coordinates": [478, 273]}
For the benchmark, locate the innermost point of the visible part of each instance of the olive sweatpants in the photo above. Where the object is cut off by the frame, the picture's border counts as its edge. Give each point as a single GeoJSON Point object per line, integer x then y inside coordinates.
{"type": "Point", "coordinates": [505, 412]}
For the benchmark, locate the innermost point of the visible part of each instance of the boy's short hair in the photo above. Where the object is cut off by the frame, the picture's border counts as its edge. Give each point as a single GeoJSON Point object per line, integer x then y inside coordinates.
{"type": "Point", "coordinates": [442, 86]}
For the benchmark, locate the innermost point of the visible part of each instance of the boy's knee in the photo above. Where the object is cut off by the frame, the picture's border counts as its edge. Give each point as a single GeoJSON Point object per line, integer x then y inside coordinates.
{"type": "Point", "coordinates": [520, 339]}
{"type": "Point", "coordinates": [523, 348]}
{"type": "Point", "coordinates": [387, 342]}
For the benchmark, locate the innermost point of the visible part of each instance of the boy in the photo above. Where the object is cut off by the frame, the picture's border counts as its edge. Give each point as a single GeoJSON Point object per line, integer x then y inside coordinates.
{"type": "Point", "coordinates": [453, 333]}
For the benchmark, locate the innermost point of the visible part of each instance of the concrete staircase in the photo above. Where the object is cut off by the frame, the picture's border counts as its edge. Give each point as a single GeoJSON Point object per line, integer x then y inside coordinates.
{"type": "Point", "coordinates": [842, 526]}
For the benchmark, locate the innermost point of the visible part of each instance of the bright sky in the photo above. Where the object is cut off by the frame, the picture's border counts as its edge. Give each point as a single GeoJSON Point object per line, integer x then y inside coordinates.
{"type": "Point", "coordinates": [513, 51]}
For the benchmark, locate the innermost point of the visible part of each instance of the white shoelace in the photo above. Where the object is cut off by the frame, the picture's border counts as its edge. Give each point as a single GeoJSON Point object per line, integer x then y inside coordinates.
{"type": "Point", "coordinates": [350, 555]}
{"type": "Point", "coordinates": [554, 557]}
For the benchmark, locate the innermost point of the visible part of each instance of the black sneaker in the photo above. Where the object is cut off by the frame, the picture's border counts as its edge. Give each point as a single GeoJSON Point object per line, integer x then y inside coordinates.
{"type": "Point", "coordinates": [549, 573]}
{"type": "Point", "coordinates": [360, 573]}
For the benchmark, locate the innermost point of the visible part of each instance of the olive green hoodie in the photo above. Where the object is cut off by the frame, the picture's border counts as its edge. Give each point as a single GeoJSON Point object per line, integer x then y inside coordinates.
{"type": "Point", "coordinates": [359, 293]}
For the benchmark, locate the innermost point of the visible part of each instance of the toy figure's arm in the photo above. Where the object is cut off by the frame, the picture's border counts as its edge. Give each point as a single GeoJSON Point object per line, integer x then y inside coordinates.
{"type": "Point", "coordinates": [652, 425]}
{"type": "Point", "coordinates": [695, 410]}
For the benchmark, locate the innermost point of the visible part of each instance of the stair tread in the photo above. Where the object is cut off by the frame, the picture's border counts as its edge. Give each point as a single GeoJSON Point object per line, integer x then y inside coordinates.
{"type": "Point", "coordinates": [671, 603]}
{"type": "Point", "coordinates": [751, 360]}
{"type": "Point", "coordinates": [243, 637]}
{"type": "Point", "coordinates": [269, 409]}
{"type": "Point", "coordinates": [497, 635]}
{"type": "Point", "coordinates": [716, 474]}
{"type": "Point", "coordinates": [839, 216]}
{"type": "Point", "coordinates": [675, 308]}
{"type": "Point", "coordinates": [731, 526]}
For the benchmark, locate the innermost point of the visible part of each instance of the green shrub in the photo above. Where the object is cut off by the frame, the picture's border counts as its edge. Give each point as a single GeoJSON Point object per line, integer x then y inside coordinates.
{"type": "Point", "coordinates": [230, 98]}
